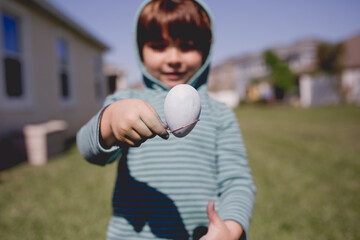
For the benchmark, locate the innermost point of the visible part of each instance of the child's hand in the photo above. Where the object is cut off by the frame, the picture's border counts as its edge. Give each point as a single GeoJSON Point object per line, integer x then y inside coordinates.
{"type": "Point", "coordinates": [130, 121]}
{"type": "Point", "coordinates": [219, 229]}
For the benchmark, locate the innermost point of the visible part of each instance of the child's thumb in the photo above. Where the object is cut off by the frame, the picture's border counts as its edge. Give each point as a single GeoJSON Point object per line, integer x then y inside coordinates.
{"type": "Point", "coordinates": [212, 214]}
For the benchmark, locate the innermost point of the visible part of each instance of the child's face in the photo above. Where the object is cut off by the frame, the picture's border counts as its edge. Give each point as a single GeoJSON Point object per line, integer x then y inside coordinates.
{"type": "Point", "coordinates": [172, 62]}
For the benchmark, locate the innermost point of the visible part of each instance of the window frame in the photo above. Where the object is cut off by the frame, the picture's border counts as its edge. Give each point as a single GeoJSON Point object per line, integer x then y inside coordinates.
{"type": "Point", "coordinates": [66, 102]}
{"type": "Point", "coordinates": [25, 101]}
{"type": "Point", "coordinates": [99, 86]}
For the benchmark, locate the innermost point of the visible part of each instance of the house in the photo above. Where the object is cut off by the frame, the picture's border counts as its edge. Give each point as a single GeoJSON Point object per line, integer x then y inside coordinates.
{"type": "Point", "coordinates": [51, 69]}
{"type": "Point", "coordinates": [231, 80]}
{"type": "Point", "coordinates": [115, 78]}
{"type": "Point", "coordinates": [351, 73]}
{"type": "Point", "coordinates": [222, 85]}
{"type": "Point", "coordinates": [300, 56]}
{"type": "Point", "coordinates": [228, 82]}
{"type": "Point", "coordinates": [317, 90]}
{"type": "Point", "coordinates": [245, 77]}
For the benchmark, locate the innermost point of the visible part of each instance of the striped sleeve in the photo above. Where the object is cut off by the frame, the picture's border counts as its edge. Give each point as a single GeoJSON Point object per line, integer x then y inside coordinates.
{"type": "Point", "coordinates": [88, 137]}
{"type": "Point", "coordinates": [88, 143]}
{"type": "Point", "coordinates": [237, 189]}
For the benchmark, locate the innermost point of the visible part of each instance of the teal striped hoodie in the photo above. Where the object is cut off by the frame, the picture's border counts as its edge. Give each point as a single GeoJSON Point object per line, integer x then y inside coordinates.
{"type": "Point", "coordinates": [163, 187]}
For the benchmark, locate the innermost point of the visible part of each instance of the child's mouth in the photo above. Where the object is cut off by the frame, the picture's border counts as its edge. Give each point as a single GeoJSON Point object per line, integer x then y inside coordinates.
{"type": "Point", "coordinates": [174, 75]}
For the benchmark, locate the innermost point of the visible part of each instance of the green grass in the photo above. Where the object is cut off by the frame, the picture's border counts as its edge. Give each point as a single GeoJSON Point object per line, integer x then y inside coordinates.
{"type": "Point", "coordinates": [66, 199]}
{"type": "Point", "coordinates": [305, 163]}
{"type": "Point", "coordinates": [306, 166]}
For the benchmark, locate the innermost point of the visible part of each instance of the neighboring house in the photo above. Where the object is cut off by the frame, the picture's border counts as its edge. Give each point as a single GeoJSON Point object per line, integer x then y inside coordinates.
{"type": "Point", "coordinates": [115, 78]}
{"type": "Point", "coordinates": [318, 90]}
{"type": "Point", "coordinates": [300, 56]}
{"type": "Point", "coordinates": [351, 72]}
{"type": "Point", "coordinates": [244, 77]}
{"type": "Point", "coordinates": [230, 81]}
{"type": "Point", "coordinates": [222, 85]}
{"type": "Point", "coordinates": [51, 68]}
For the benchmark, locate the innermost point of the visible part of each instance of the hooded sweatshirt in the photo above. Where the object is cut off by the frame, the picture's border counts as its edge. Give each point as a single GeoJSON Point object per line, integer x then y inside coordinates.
{"type": "Point", "coordinates": [163, 187]}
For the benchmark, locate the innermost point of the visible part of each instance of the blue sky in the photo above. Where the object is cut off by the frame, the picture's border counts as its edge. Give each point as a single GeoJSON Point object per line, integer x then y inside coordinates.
{"type": "Point", "coordinates": [241, 26]}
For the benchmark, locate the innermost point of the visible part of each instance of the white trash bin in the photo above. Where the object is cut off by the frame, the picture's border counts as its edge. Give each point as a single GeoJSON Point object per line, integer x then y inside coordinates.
{"type": "Point", "coordinates": [40, 139]}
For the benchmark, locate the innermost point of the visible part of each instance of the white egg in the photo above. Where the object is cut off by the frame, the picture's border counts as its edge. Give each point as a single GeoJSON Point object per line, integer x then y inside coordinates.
{"type": "Point", "coordinates": [182, 109]}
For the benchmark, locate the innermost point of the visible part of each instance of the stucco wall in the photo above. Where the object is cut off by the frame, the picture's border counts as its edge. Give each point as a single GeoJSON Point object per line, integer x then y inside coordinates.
{"type": "Point", "coordinates": [43, 101]}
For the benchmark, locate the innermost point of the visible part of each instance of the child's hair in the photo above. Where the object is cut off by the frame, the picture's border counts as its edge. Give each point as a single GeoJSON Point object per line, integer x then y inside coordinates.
{"type": "Point", "coordinates": [185, 20]}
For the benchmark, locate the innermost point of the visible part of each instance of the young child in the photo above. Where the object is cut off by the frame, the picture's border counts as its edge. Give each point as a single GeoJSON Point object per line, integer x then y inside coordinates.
{"type": "Point", "coordinates": [166, 187]}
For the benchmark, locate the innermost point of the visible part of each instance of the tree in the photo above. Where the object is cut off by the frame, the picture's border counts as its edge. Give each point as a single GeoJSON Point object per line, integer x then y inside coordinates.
{"type": "Point", "coordinates": [282, 77]}
{"type": "Point", "coordinates": [329, 58]}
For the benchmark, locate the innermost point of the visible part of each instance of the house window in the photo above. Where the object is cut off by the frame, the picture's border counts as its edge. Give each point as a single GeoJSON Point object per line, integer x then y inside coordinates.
{"type": "Point", "coordinates": [12, 63]}
{"type": "Point", "coordinates": [63, 70]}
{"type": "Point", "coordinates": [98, 80]}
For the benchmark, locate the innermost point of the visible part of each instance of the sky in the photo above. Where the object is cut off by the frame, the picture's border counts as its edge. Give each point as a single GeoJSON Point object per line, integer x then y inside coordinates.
{"type": "Point", "coordinates": [240, 26]}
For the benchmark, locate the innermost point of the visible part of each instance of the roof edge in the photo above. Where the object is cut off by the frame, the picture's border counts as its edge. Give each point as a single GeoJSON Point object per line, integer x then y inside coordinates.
{"type": "Point", "coordinates": [53, 12]}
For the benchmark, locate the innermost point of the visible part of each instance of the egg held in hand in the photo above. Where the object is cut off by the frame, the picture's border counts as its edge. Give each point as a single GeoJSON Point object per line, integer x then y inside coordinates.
{"type": "Point", "coordinates": [182, 109]}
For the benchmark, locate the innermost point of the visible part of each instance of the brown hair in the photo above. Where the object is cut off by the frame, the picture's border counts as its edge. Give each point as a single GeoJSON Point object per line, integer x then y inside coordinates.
{"type": "Point", "coordinates": [175, 19]}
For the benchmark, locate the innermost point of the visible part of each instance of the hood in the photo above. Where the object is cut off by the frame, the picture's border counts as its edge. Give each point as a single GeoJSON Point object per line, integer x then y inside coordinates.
{"type": "Point", "coordinates": [200, 77]}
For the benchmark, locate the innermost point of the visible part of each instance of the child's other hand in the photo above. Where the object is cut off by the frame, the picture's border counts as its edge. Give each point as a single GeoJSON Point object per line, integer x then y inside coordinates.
{"type": "Point", "coordinates": [219, 229]}
{"type": "Point", "coordinates": [131, 121]}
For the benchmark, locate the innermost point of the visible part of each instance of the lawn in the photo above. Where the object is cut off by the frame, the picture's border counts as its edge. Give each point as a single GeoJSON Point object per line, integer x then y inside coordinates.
{"type": "Point", "coordinates": [305, 163]}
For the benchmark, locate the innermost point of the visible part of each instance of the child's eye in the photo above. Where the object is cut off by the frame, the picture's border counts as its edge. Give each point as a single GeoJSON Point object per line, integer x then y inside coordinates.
{"type": "Point", "coordinates": [158, 46]}
{"type": "Point", "coordinates": [186, 46]}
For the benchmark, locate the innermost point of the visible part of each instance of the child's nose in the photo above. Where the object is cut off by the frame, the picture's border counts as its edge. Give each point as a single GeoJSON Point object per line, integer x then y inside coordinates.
{"type": "Point", "coordinates": [173, 56]}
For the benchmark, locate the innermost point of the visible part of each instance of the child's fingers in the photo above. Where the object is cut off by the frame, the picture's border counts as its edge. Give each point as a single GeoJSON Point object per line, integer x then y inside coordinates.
{"type": "Point", "coordinates": [157, 115]}
{"type": "Point", "coordinates": [134, 136]}
{"type": "Point", "coordinates": [212, 214]}
{"type": "Point", "coordinates": [134, 141]}
{"type": "Point", "coordinates": [153, 122]}
{"type": "Point", "coordinates": [155, 126]}
{"type": "Point", "coordinates": [130, 142]}
{"type": "Point", "coordinates": [141, 128]}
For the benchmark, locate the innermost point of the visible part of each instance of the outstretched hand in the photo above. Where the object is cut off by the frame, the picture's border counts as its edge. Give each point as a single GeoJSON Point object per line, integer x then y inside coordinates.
{"type": "Point", "coordinates": [219, 229]}
{"type": "Point", "coordinates": [131, 121]}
